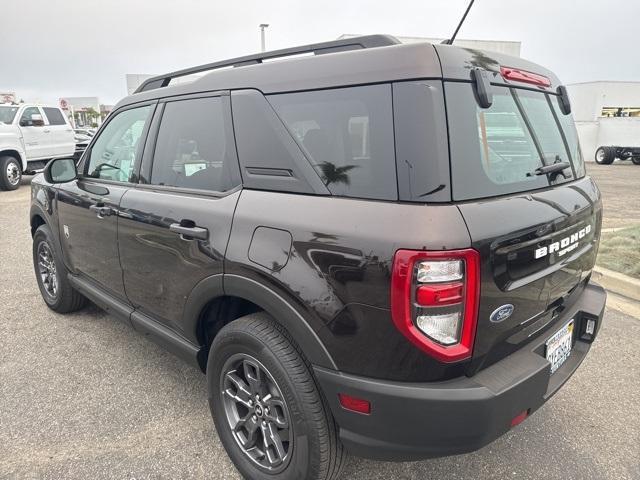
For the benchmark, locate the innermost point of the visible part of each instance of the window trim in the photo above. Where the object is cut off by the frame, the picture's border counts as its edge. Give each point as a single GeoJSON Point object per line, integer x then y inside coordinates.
{"type": "Point", "coordinates": [83, 164]}
{"type": "Point", "coordinates": [148, 156]}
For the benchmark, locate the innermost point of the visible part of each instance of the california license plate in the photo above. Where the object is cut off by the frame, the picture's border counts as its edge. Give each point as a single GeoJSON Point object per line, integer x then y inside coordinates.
{"type": "Point", "coordinates": [559, 346]}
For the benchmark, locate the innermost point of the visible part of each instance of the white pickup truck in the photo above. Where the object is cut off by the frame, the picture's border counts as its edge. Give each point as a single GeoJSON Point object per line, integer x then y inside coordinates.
{"type": "Point", "coordinates": [30, 135]}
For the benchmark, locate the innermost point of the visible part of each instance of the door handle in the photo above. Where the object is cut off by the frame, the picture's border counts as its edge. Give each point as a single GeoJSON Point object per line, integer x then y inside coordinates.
{"type": "Point", "coordinates": [101, 210]}
{"type": "Point", "coordinates": [189, 233]}
{"type": "Point", "coordinates": [46, 130]}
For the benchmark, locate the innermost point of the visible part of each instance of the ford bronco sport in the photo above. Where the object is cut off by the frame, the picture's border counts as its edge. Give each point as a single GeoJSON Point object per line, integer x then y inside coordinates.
{"type": "Point", "coordinates": [374, 248]}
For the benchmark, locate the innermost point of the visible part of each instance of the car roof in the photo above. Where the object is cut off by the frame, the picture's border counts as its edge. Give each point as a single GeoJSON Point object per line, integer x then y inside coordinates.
{"type": "Point", "coordinates": [381, 63]}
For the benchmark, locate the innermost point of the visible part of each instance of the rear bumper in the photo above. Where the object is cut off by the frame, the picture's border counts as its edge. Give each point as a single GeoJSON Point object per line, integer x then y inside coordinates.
{"type": "Point", "coordinates": [410, 421]}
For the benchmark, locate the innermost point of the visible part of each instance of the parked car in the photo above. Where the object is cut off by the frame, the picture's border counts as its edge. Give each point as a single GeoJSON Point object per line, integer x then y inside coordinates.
{"type": "Point", "coordinates": [30, 135]}
{"type": "Point", "coordinates": [87, 132]}
{"type": "Point", "coordinates": [380, 249]}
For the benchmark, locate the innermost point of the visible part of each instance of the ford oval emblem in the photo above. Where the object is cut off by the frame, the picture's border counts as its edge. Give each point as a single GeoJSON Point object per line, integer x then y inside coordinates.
{"type": "Point", "coordinates": [501, 313]}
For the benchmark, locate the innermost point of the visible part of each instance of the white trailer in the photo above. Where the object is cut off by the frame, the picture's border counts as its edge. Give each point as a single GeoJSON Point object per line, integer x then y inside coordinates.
{"type": "Point", "coordinates": [607, 116]}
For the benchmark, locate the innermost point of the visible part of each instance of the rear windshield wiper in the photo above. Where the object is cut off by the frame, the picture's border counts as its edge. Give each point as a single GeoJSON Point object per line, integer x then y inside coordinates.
{"type": "Point", "coordinates": [553, 169]}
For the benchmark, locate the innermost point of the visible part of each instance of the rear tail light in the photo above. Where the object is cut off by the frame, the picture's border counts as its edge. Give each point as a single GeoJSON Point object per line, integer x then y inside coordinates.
{"type": "Point", "coordinates": [434, 300]}
{"type": "Point", "coordinates": [524, 76]}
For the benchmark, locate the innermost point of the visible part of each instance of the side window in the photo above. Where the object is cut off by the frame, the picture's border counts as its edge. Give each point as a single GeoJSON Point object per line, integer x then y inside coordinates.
{"type": "Point", "coordinates": [54, 116]}
{"type": "Point", "coordinates": [118, 147]}
{"type": "Point", "coordinates": [347, 134]}
{"type": "Point", "coordinates": [193, 149]}
{"type": "Point", "coordinates": [25, 119]}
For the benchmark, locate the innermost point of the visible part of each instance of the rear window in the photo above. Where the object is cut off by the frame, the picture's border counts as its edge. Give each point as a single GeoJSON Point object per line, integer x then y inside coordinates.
{"type": "Point", "coordinates": [54, 116]}
{"type": "Point", "coordinates": [495, 151]}
{"type": "Point", "coordinates": [347, 135]}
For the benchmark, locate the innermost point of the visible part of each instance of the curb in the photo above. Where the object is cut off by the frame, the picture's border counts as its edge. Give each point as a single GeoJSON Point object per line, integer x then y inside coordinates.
{"type": "Point", "coordinates": [617, 282]}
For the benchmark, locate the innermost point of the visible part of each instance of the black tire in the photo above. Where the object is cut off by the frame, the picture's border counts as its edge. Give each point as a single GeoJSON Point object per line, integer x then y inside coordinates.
{"type": "Point", "coordinates": [257, 341]}
{"type": "Point", "coordinates": [62, 298]}
{"type": "Point", "coordinates": [10, 173]}
{"type": "Point", "coordinates": [605, 155]}
{"type": "Point", "coordinates": [635, 160]}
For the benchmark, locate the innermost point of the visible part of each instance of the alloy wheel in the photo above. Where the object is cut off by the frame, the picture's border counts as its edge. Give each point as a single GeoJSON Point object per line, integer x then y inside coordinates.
{"type": "Point", "coordinates": [256, 413]}
{"type": "Point", "coordinates": [13, 173]}
{"type": "Point", "coordinates": [47, 270]}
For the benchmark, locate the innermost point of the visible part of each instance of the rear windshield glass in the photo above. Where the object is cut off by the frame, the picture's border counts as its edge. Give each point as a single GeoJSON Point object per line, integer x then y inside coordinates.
{"type": "Point", "coordinates": [496, 151]}
{"type": "Point", "coordinates": [347, 134]}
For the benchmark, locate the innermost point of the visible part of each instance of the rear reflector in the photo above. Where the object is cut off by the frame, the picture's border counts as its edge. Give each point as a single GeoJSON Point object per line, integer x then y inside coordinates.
{"type": "Point", "coordinates": [358, 405]}
{"type": "Point", "coordinates": [440, 294]}
{"type": "Point", "coordinates": [518, 419]}
{"type": "Point", "coordinates": [524, 76]}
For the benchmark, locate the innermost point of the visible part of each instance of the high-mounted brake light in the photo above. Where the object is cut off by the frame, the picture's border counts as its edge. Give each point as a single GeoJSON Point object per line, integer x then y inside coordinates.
{"type": "Point", "coordinates": [517, 75]}
{"type": "Point", "coordinates": [434, 300]}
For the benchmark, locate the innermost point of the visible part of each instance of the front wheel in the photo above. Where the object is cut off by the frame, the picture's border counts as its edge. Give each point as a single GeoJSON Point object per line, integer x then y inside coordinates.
{"type": "Point", "coordinates": [10, 173]}
{"type": "Point", "coordinates": [268, 411]}
{"type": "Point", "coordinates": [635, 160]}
{"type": "Point", "coordinates": [51, 274]}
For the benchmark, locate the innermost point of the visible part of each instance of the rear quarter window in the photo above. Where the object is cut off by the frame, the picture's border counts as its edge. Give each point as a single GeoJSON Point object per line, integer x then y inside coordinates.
{"type": "Point", "coordinates": [347, 135]}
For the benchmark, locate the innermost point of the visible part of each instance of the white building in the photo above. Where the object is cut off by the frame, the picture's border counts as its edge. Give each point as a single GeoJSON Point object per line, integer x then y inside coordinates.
{"type": "Point", "coordinates": [606, 113]}
{"type": "Point", "coordinates": [134, 80]}
{"type": "Point", "coordinates": [507, 47]}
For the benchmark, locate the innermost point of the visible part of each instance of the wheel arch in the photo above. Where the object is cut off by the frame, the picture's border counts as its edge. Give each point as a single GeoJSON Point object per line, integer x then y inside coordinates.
{"type": "Point", "coordinates": [12, 152]}
{"type": "Point", "coordinates": [215, 302]}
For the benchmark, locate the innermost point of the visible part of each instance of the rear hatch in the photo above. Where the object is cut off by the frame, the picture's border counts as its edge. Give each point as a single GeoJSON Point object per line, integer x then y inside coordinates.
{"type": "Point", "coordinates": [537, 233]}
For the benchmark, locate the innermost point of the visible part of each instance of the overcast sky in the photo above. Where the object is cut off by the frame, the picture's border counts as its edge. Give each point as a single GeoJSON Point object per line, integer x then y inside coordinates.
{"type": "Point", "coordinates": [51, 49]}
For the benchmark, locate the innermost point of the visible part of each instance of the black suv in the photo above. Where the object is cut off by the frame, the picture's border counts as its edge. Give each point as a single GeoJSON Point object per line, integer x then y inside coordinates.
{"type": "Point", "coordinates": [377, 248]}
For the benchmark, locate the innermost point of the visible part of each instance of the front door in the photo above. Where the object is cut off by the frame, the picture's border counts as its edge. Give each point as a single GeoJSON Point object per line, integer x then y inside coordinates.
{"type": "Point", "coordinates": [175, 225]}
{"type": "Point", "coordinates": [34, 133]}
{"type": "Point", "coordinates": [88, 207]}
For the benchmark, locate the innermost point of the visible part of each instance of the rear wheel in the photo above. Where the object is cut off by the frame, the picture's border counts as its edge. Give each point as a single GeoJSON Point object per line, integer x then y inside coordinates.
{"type": "Point", "coordinates": [51, 274]}
{"type": "Point", "coordinates": [605, 155]}
{"type": "Point", "coordinates": [635, 160]}
{"type": "Point", "coordinates": [268, 411]}
{"type": "Point", "coordinates": [10, 173]}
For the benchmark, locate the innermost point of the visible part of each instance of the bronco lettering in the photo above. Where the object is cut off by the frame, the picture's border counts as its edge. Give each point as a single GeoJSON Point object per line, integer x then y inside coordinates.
{"type": "Point", "coordinates": [567, 244]}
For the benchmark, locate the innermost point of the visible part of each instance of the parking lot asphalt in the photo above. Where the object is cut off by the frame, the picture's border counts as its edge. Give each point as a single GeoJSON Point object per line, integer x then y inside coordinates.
{"type": "Point", "coordinates": [620, 187]}
{"type": "Point", "coordinates": [84, 396]}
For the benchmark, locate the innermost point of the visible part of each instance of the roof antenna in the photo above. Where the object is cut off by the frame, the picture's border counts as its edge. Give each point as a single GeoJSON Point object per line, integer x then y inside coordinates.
{"type": "Point", "coordinates": [453, 37]}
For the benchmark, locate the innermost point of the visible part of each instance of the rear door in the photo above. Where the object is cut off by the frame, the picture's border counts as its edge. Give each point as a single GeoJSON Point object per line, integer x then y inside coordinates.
{"type": "Point", "coordinates": [61, 137]}
{"type": "Point", "coordinates": [88, 207]}
{"type": "Point", "coordinates": [537, 234]}
{"type": "Point", "coordinates": [174, 227]}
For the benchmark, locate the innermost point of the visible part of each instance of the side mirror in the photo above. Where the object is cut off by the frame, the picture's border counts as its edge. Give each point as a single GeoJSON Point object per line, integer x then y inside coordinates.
{"type": "Point", "coordinates": [563, 100]}
{"type": "Point", "coordinates": [37, 120]}
{"type": "Point", "coordinates": [60, 170]}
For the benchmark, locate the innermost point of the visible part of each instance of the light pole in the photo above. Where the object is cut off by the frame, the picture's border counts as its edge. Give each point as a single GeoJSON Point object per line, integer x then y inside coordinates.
{"type": "Point", "coordinates": [262, 41]}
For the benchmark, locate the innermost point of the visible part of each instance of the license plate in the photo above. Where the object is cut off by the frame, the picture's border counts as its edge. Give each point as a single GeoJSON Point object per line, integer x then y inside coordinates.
{"type": "Point", "coordinates": [559, 346]}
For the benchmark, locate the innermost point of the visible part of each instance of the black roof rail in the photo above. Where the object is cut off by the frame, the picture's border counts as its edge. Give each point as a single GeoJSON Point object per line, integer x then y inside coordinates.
{"type": "Point", "coordinates": [344, 44]}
